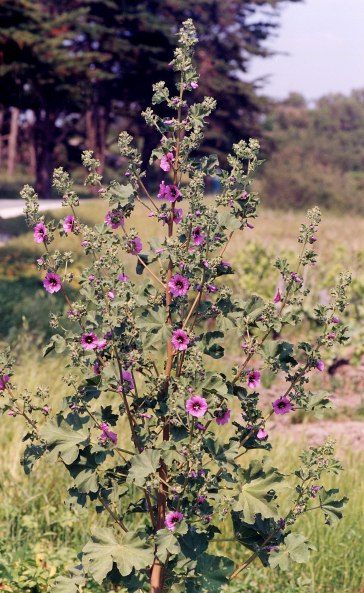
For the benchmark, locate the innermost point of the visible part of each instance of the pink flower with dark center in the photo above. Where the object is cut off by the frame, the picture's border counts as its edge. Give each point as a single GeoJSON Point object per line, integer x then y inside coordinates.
{"type": "Point", "coordinates": [282, 405]}
{"type": "Point", "coordinates": [69, 224]}
{"type": "Point", "coordinates": [180, 340]}
{"type": "Point", "coordinates": [178, 285]}
{"type": "Point", "coordinates": [196, 406]}
{"type": "Point", "coordinates": [253, 379]}
{"type": "Point", "coordinates": [331, 336]}
{"type": "Point", "coordinates": [166, 161]}
{"type": "Point", "coordinates": [40, 232]}
{"type": "Point", "coordinates": [177, 215]}
{"type": "Point", "coordinates": [114, 219]}
{"type": "Point", "coordinates": [278, 297]}
{"type": "Point", "coordinates": [222, 417]}
{"type": "Point", "coordinates": [107, 435]}
{"type": "Point", "coordinates": [4, 379]}
{"type": "Point", "coordinates": [335, 319]}
{"type": "Point", "coordinates": [172, 519]}
{"type": "Point", "coordinates": [198, 236]}
{"type": "Point", "coordinates": [172, 193]}
{"type": "Point", "coordinates": [52, 282]}
{"type": "Point", "coordinates": [45, 410]}
{"type": "Point", "coordinates": [89, 341]}
{"type": "Point", "coordinates": [135, 246]}
{"type": "Point", "coordinates": [262, 435]}
{"type": "Point", "coordinates": [320, 366]}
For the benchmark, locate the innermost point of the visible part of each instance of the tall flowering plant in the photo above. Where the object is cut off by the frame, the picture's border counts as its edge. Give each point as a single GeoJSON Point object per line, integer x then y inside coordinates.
{"type": "Point", "coordinates": [168, 449]}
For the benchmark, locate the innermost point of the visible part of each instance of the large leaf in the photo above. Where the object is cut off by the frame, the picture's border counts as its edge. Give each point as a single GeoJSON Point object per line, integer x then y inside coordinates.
{"type": "Point", "coordinates": [83, 471]}
{"type": "Point", "coordinates": [214, 572]}
{"type": "Point", "coordinates": [67, 585]}
{"type": "Point", "coordinates": [296, 548]}
{"type": "Point", "coordinates": [253, 536]}
{"type": "Point", "coordinates": [64, 438]}
{"type": "Point", "coordinates": [143, 465]}
{"type": "Point", "coordinates": [128, 551]}
{"type": "Point", "coordinates": [331, 505]}
{"type": "Point", "coordinates": [254, 494]}
{"type": "Point", "coordinates": [119, 194]}
{"type": "Point", "coordinates": [166, 543]}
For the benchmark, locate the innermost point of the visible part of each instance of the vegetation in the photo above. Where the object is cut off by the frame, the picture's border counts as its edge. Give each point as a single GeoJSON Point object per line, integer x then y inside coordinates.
{"type": "Point", "coordinates": [316, 153]}
{"type": "Point", "coordinates": [139, 429]}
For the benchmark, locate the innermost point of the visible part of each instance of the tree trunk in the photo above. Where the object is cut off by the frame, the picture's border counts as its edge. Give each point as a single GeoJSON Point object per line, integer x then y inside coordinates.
{"type": "Point", "coordinates": [1, 135]}
{"type": "Point", "coordinates": [13, 141]}
{"type": "Point", "coordinates": [44, 138]}
{"type": "Point", "coordinates": [96, 120]}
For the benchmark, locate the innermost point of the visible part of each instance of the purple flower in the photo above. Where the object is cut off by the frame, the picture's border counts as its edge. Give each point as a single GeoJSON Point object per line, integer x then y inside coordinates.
{"type": "Point", "coordinates": [40, 232]}
{"type": "Point", "coordinates": [172, 519]}
{"type": "Point", "coordinates": [166, 161]}
{"type": "Point", "coordinates": [196, 406]}
{"type": "Point", "coordinates": [335, 319]}
{"type": "Point", "coordinates": [282, 405]}
{"type": "Point", "coordinates": [89, 341]}
{"type": "Point", "coordinates": [278, 297]}
{"type": "Point", "coordinates": [253, 379]}
{"type": "Point", "coordinates": [123, 277]}
{"type": "Point", "coordinates": [201, 499]}
{"type": "Point", "coordinates": [69, 224]}
{"type": "Point", "coordinates": [52, 282]}
{"type": "Point", "coordinates": [222, 417]}
{"type": "Point", "coordinates": [314, 491]}
{"type": "Point", "coordinates": [250, 226]}
{"type": "Point", "coordinates": [172, 193]}
{"type": "Point", "coordinates": [178, 285]}
{"type": "Point", "coordinates": [135, 246]}
{"type": "Point", "coordinates": [194, 85]}
{"type": "Point", "coordinates": [320, 366]}
{"type": "Point", "coordinates": [180, 340]}
{"type": "Point", "coordinates": [4, 379]}
{"type": "Point", "coordinates": [45, 410]}
{"type": "Point", "coordinates": [101, 343]}
{"type": "Point", "coordinates": [198, 236]}
{"type": "Point", "coordinates": [128, 378]}
{"type": "Point", "coordinates": [200, 426]}
{"type": "Point", "coordinates": [114, 218]}
{"type": "Point", "coordinates": [96, 368]}
{"type": "Point", "coordinates": [211, 288]}
{"type": "Point", "coordinates": [177, 215]}
{"type": "Point", "coordinates": [107, 435]}
{"type": "Point", "coordinates": [331, 336]}
{"type": "Point", "coordinates": [162, 191]}
{"type": "Point", "coordinates": [262, 435]}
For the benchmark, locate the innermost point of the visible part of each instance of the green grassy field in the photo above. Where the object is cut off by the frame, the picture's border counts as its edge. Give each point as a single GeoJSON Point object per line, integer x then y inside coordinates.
{"type": "Point", "coordinates": [39, 535]}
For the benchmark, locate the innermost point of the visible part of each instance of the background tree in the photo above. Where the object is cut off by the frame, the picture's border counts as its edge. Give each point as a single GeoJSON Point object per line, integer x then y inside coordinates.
{"type": "Point", "coordinates": [93, 60]}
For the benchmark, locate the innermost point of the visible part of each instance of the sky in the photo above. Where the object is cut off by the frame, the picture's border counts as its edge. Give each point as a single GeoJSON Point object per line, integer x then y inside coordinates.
{"type": "Point", "coordinates": [323, 42]}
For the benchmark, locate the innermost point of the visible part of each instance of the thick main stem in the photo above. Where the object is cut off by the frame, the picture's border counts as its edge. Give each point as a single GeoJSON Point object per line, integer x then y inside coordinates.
{"type": "Point", "coordinates": [158, 570]}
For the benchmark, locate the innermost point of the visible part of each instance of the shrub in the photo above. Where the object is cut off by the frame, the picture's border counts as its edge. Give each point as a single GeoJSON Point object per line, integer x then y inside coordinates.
{"type": "Point", "coordinates": [164, 446]}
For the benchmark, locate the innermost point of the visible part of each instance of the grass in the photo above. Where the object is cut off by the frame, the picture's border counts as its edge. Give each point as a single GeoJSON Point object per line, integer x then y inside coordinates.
{"type": "Point", "coordinates": [37, 530]}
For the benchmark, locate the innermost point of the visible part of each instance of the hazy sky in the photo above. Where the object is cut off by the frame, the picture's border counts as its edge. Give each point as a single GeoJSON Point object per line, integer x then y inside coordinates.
{"type": "Point", "coordinates": [324, 40]}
